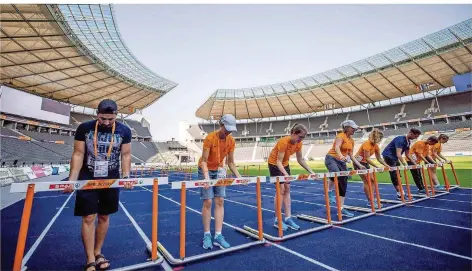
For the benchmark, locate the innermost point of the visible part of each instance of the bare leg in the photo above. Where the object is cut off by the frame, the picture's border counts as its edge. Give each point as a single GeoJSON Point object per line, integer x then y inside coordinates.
{"type": "Point", "coordinates": [287, 201]}
{"type": "Point", "coordinates": [100, 234]}
{"type": "Point", "coordinates": [219, 213]}
{"type": "Point", "coordinates": [88, 236]}
{"type": "Point", "coordinates": [206, 214]}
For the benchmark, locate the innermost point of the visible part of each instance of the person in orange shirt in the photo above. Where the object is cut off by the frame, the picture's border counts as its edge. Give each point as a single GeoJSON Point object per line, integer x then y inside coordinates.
{"type": "Point", "coordinates": [336, 159]}
{"type": "Point", "coordinates": [279, 166]}
{"type": "Point", "coordinates": [435, 153]}
{"type": "Point", "coordinates": [437, 149]}
{"type": "Point", "coordinates": [367, 149]}
{"type": "Point", "coordinates": [216, 146]}
{"type": "Point", "coordinates": [420, 151]}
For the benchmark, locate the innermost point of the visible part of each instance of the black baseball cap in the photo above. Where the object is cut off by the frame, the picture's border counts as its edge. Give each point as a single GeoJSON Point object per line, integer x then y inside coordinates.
{"type": "Point", "coordinates": [107, 106]}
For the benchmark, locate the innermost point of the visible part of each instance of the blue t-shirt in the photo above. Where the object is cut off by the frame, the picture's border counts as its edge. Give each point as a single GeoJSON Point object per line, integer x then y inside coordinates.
{"type": "Point", "coordinates": [398, 142]}
{"type": "Point", "coordinates": [85, 132]}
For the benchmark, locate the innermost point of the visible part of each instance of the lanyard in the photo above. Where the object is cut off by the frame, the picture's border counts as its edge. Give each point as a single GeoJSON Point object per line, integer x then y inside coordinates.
{"type": "Point", "coordinates": [95, 139]}
{"type": "Point", "coordinates": [218, 147]}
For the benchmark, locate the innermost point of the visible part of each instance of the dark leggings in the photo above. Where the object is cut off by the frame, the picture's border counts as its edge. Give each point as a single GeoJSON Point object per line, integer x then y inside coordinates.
{"type": "Point", "coordinates": [416, 173]}
{"type": "Point", "coordinates": [335, 165]}
{"type": "Point", "coordinates": [393, 174]}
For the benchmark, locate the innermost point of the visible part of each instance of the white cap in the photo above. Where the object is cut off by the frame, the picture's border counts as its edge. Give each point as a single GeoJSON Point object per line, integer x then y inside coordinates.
{"type": "Point", "coordinates": [349, 123]}
{"type": "Point", "coordinates": [229, 121]}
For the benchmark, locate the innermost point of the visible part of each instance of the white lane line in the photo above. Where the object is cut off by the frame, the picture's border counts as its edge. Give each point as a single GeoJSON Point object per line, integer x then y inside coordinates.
{"type": "Point", "coordinates": [425, 221]}
{"type": "Point", "coordinates": [406, 243]}
{"type": "Point", "coordinates": [441, 209]}
{"type": "Point", "coordinates": [45, 231]}
{"type": "Point", "coordinates": [273, 244]}
{"type": "Point", "coordinates": [164, 264]}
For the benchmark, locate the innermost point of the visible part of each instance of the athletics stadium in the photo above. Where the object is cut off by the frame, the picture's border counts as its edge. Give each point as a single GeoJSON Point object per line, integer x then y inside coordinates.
{"type": "Point", "coordinates": [62, 60]}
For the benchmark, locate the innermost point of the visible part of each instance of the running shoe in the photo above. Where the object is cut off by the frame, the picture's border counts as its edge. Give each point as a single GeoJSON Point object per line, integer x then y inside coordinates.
{"type": "Point", "coordinates": [332, 197]}
{"type": "Point", "coordinates": [207, 241]}
{"type": "Point", "coordinates": [291, 224]}
{"type": "Point", "coordinates": [284, 226]}
{"type": "Point", "coordinates": [439, 187]}
{"type": "Point", "coordinates": [421, 191]}
{"type": "Point", "coordinates": [221, 242]}
{"type": "Point", "coordinates": [345, 212]}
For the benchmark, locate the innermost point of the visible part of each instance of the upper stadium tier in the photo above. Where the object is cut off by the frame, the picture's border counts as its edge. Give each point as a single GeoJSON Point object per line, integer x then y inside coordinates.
{"type": "Point", "coordinates": [74, 54]}
{"type": "Point", "coordinates": [427, 63]}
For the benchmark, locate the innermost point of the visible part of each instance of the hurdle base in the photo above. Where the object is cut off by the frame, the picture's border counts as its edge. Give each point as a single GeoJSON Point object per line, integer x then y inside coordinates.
{"type": "Point", "coordinates": [313, 219]}
{"type": "Point", "coordinates": [353, 219]}
{"type": "Point", "coordinates": [173, 261]}
{"type": "Point", "coordinates": [248, 230]}
{"type": "Point", "coordinates": [139, 266]}
{"type": "Point", "coordinates": [356, 208]}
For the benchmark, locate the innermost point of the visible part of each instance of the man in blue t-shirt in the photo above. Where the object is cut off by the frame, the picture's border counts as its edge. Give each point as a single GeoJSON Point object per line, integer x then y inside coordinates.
{"type": "Point", "coordinates": [392, 154]}
{"type": "Point", "coordinates": [99, 145]}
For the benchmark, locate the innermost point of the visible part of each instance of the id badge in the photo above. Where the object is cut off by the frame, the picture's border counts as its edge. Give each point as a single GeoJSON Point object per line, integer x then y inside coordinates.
{"type": "Point", "coordinates": [221, 173]}
{"type": "Point", "coordinates": [100, 169]}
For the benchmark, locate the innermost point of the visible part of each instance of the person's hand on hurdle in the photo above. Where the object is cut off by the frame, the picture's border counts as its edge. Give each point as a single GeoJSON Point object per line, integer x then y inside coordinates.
{"type": "Point", "coordinates": [128, 185]}
{"type": "Point", "coordinates": [69, 188]}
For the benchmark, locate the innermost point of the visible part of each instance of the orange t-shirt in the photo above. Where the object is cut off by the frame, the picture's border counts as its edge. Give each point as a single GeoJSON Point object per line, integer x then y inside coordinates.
{"type": "Point", "coordinates": [437, 147]}
{"type": "Point", "coordinates": [369, 147]}
{"type": "Point", "coordinates": [219, 149]}
{"type": "Point", "coordinates": [346, 147]}
{"type": "Point", "coordinates": [421, 147]}
{"type": "Point", "coordinates": [284, 145]}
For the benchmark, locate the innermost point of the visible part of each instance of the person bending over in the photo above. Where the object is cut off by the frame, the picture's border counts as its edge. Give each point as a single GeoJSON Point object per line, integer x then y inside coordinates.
{"type": "Point", "coordinates": [393, 152]}
{"type": "Point", "coordinates": [420, 151]}
{"type": "Point", "coordinates": [367, 149]}
{"type": "Point", "coordinates": [279, 166]}
{"type": "Point", "coordinates": [336, 159]}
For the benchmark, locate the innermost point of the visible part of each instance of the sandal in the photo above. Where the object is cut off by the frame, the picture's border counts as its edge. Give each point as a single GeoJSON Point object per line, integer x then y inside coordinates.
{"type": "Point", "coordinates": [100, 263]}
{"type": "Point", "coordinates": [87, 266]}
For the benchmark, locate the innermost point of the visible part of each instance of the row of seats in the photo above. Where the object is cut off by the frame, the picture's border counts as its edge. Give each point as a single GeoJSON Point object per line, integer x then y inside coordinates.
{"type": "Point", "coordinates": [450, 104]}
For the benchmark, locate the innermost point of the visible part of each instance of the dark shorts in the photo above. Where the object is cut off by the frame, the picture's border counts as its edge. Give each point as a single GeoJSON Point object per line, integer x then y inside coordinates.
{"type": "Point", "coordinates": [274, 170]}
{"type": "Point", "coordinates": [99, 201]}
{"type": "Point", "coordinates": [366, 165]}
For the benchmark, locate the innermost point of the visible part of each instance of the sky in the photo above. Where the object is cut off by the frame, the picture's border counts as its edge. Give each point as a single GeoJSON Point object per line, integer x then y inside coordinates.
{"type": "Point", "coordinates": [208, 47]}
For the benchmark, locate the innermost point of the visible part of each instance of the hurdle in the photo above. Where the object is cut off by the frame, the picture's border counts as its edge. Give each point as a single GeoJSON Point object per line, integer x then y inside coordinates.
{"type": "Point", "coordinates": [183, 185]}
{"type": "Point", "coordinates": [32, 187]}
{"type": "Point", "coordinates": [327, 223]}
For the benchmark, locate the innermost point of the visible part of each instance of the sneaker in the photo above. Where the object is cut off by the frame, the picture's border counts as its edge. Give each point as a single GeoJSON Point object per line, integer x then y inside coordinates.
{"type": "Point", "coordinates": [291, 224]}
{"type": "Point", "coordinates": [221, 242]}
{"type": "Point", "coordinates": [421, 191]}
{"type": "Point", "coordinates": [207, 241]}
{"type": "Point", "coordinates": [332, 197]}
{"type": "Point", "coordinates": [376, 206]}
{"type": "Point", "coordinates": [345, 212]}
{"type": "Point", "coordinates": [399, 197]}
{"type": "Point", "coordinates": [284, 226]}
{"type": "Point", "coordinates": [439, 187]}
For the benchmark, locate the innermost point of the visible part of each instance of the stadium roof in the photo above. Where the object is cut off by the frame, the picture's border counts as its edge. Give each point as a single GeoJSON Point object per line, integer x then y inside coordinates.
{"type": "Point", "coordinates": [427, 63]}
{"type": "Point", "coordinates": [74, 54]}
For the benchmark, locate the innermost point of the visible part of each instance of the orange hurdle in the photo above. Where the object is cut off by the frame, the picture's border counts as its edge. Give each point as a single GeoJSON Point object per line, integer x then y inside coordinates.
{"type": "Point", "coordinates": [183, 203]}
{"type": "Point", "coordinates": [446, 180]}
{"type": "Point", "coordinates": [431, 182]}
{"type": "Point", "coordinates": [371, 193]}
{"type": "Point", "coordinates": [328, 208]}
{"type": "Point", "coordinates": [377, 190]}
{"type": "Point", "coordinates": [259, 208]}
{"type": "Point", "coordinates": [455, 175]}
{"type": "Point", "coordinates": [338, 200]}
{"type": "Point", "coordinates": [407, 185]}
{"type": "Point", "coordinates": [31, 188]}
{"type": "Point", "coordinates": [400, 184]}
{"type": "Point", "coordinates": [278, 205]}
